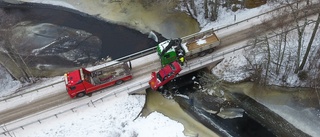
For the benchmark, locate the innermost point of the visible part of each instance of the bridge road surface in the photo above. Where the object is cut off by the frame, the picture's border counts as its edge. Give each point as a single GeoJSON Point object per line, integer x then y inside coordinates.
{"type": "Point", "coordinates": [141, 73]}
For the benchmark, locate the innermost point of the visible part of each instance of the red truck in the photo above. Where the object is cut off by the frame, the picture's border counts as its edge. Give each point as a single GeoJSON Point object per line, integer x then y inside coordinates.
{"type": "Point", "coordinates": [164, 75]}
{"type": "Point", "coordinates": [82, 81]}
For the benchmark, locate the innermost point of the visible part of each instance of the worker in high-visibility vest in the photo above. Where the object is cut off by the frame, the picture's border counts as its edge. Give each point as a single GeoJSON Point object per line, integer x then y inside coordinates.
{"type": "Point", "coordinates": [181, 59]}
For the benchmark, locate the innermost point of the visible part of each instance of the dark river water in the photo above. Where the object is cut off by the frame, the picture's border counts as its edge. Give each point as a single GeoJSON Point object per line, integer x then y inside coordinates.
{"type": "Point", "coordinates": [117, 40]}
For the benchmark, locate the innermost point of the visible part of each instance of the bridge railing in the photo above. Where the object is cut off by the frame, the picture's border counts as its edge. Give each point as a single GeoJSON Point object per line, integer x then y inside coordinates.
{"type": "Point", "coordinates": [137, 54]}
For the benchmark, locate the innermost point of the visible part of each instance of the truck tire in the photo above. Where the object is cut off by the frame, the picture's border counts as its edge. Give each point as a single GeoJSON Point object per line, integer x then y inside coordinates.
{"type": "Point", "coordinates": [202, 53]}
{"type": "Point", "coordinates": [210, 50]}
{"type": "Point", "coordinates": [81, 94]}
{"type": "Point", "coordinates": [119, 82]}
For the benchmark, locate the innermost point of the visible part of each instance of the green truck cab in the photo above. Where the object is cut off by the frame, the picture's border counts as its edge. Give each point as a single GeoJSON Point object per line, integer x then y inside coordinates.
{"type": "Point", "coordinates": [187, 48]}
{"type": "Point", "coordinates": [170, 51]}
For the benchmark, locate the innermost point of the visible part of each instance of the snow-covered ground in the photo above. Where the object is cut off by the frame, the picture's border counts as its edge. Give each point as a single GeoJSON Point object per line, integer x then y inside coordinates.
{"type": "Point", "coordinates": [8, 85]}
{"type": "Point", "coordinates": [115, 117]}
{"type": "Point", "coordinates": [112, 118]}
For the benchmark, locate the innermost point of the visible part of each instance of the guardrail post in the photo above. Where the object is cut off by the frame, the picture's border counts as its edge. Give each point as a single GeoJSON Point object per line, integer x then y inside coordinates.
{"type": "Point", "coordinates": [56, 115]}
{"type": "Point", "coordinates": [72, 110]}
{"type": "Point", "coordinates": [92, 103]}
{"type": "Point", "coordinates": [39, 121]}
{"type": "Point", "coordinates": [101, 99]}
{"type": "Point", "coordinates": [115, 94]}
{"type": "Point", "coordinates": [4, 129]}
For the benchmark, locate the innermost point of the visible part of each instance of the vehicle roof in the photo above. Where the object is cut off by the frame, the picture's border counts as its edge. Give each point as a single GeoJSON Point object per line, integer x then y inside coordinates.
{"type": "Point", "coordinates": [167, 69]}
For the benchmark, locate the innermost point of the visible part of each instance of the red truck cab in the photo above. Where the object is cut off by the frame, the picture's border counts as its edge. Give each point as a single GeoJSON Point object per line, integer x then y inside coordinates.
{"type": "Point", "coordinates": [164, 75]}
{"type": "Point", "coordinates": [81, 82]}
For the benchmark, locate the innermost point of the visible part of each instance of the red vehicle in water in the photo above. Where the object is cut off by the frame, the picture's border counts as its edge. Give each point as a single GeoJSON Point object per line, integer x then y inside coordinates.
{"type": "Point", "coordinates": [163, 76]}
{"type": "Point", "coordinates": [81, 82]}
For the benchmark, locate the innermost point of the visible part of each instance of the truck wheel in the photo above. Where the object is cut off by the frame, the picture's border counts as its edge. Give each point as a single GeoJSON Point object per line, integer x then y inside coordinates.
{"type": "Point", "coordinates": [210, 50]}
{"type": "Point", "coordinates": [201, 54]}
{"type": "Point", "coordinates": [81, 94]}
{"type": "Point", "coordinates": [119, 82]}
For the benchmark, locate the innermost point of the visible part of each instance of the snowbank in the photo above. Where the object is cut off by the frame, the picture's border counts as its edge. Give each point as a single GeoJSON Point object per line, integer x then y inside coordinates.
{"type": "Point", "coordinates": [232, 69]}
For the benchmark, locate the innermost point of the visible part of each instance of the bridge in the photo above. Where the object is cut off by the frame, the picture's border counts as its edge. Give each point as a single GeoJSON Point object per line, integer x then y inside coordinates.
{"type": "Point", "coordinates": [56, 102]}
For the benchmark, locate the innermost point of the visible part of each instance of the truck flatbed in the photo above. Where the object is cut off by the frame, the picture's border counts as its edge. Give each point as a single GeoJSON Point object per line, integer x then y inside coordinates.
{"type": "Point", "coordinates": [109, 73]}
{"type": "Point", "coordinates": [82, 81]}
{"type": "Point", "coordinates": [198, 43]}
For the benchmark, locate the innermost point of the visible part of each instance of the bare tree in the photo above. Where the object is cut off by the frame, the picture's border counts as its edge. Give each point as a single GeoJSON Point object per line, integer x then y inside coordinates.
{"type": "Point", "coordinates": [304, 60]}
{"type": "Point", "coordinates": [268, 59]}
{"type": "Point", "coordinates": [300, 29]}
{"type": "Point", "coordinates": [255, 58]}
{"type": "Point", "coordinates": [299, 14]}
{"type": "Point", "coordinates": [190, 9]}
{"type": "Point", "coordinates": [206, 9]}
{"type": "Point", "coordinates": [213, 7]}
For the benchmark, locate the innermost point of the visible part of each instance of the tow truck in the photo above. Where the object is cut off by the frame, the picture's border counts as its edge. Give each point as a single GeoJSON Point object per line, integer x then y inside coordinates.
{"type": "Point", "coordinates": [186, 48]}
{"type": "Point", "coordinates": [82, 81]}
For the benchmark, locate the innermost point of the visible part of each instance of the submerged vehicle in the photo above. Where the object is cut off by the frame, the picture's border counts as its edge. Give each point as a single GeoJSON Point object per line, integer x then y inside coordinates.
{"type": "Point", "coordinates": [82, 81]}
{"type": "Point", "coordinates": [164, 75]}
